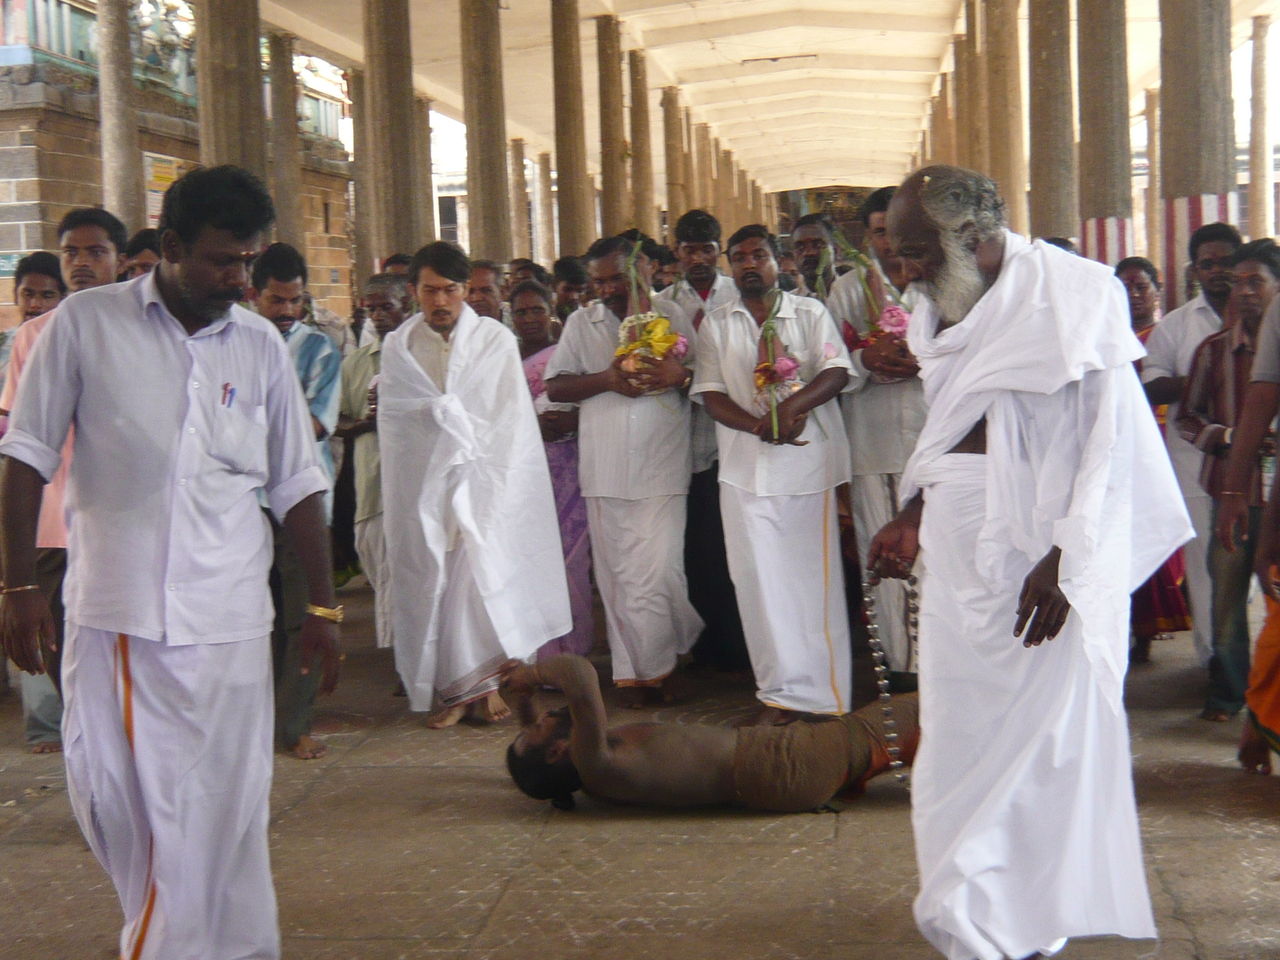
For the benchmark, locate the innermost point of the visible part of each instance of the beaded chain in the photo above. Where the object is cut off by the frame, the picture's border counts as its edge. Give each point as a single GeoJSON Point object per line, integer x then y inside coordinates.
{"type": "Point", "coordinates": [869, 582]}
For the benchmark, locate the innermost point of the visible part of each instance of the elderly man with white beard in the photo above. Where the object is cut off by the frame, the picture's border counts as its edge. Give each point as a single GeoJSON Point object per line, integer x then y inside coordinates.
{"type": "Point", "coordinates": [1020, 500]}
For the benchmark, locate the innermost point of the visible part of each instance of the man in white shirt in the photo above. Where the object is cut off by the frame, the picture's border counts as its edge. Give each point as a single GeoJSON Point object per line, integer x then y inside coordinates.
{"type": "Point", "coordinates": [167, 670]}
{"type": "Point", "coordinates": [884, 412]}
{"type": "Point", "coordinates": [477, 570]}
{"type": "Point", "coordinates": [780, 464]}
{"type": "Point", "coordinates": [633, 466]}
{"type": "Point", "coordinates": [1170, 350]}
{"type": "Point", "coordinates": [278, 293]}
{"type": "Point", "coordinates": [702, 289]}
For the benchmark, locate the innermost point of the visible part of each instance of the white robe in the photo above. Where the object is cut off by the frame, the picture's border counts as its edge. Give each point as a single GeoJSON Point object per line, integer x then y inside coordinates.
{"type": "Point", "coordinates": [467, 497]}
{"type": "Point", "coordinates": [1026, 828]}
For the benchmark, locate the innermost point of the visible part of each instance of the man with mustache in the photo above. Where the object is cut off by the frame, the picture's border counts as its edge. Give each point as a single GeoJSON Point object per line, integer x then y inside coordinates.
{"type": "Point", "coordinates": [186, 408]}
{"type": "Point", "coordinates": [473, 544]}
{"type": "Point", "coordinates": [1038, 497]}
{"type": "Point", "coordinates": [1170, 349]}
{"type": "Point", "coordinates": [633, 467]}
{"type": "Point", "coordinates": [814, 249]}
{"type": "Point", "coordinates": [90, 243]}
{"type": "Point", "coordinates": [779, 470]}
{"type": "Point", "coordinates": [883, 412]}
{"type": "Point", "coordinates": [278, 292]}
{"type": "Point", "coordinates": [701, 289]}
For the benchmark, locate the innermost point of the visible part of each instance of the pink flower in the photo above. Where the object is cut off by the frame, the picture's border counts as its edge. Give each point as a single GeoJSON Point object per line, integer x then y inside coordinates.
{"type": "Point", "coordinates": [680, 349]}
{"type": "Point", "coordinates": [785, 368]}
{"type": "Point", "coordinates": [894, 320]}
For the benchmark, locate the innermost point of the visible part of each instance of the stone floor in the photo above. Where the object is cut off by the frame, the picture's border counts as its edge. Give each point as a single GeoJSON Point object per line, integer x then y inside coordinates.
{"type": "Point", "coordinates": [410, 843]}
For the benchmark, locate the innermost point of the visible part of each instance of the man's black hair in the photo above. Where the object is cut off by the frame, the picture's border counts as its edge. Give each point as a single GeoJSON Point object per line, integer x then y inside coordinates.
{"type": "Point", "coordinates": [753, 230]}
{"type": "Point", "coordinates": [148, 238]}
{"type": "Point", "coordinates": [44, 264]}
{"type": "Point", "coordinates": [542, 274]}
{"type": "Point", "coordinates": [815, 219]}
{"type": "Point", "coordinates": [445, 258]}
{"type": "Point", "coordinates": [570, 270]}
{"type": "Point", "coordinates": [1062, 243]}
{"type": "Point", "coordinates": [278, 262]}
{"type": "Point", "coordinates": [1213, 233]}
{"type": "Point", "coordinates": [697, 226]}
{"type": "Point", "coordinates": [661, 254]}
{"type": "Point", "coordinates": [95, 217]}
{"type": "Point", "coordinates": [516, 263]}
{"type": "Point", "coordinates": [396, 260]}
{"type": "Point", "coordinates": [1263, 251]}
{"type": "Point", "coordinates": [532, 286]}
{"type": "Point", "coordinates": [225, 197]}
{"type": "Point", "coordinates": [608, 246]}
{"type": "Point", "coordinates": [491, 265]}
{"type": "Point", "coordinates": [1143, 264]}
{"type": "Point", "coordinates": [877, 202]}
{"type": "Point", "coordinates": [396, 283]}
{"type": "Point", "coordinates": [538, 778]}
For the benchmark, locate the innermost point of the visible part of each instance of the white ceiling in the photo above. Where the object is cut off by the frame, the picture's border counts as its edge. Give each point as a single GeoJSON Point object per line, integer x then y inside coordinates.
{"type": "Point", "coordinates": [805, 93]}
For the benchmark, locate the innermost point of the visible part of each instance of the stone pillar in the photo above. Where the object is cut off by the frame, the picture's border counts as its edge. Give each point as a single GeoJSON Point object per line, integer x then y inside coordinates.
{"type": "Point", "coordinates": [484, 112]}
{"type": "Point", "coordinates": [229, 85]}
{"type": "Point", "coordinates": [1261, 176]}
{"type": "Point", "coordinates": [123, 192]}
{"type": "Point", "coordinates": [705, 161]}
{"type": "Point", "coordinates": [546, 213]}
{"type": "Point", "coordinates": [521, 228]}
{"type": "Point", "coordinates": [1007, 158]}
{"type": "Point", "coordinates": [362, 165]}
{"type": "Point", "coordinates": [979, 104]}
{"type": "Point", "coordinates": [963, 88]}
{"type": "Point", "coordinates": [673, 151]}
{"type": "Point", "coordinates": [1197, 138]}
{"type": "Point", "coordinates": [691, 187]}
{"type": "Point", "coordinates": [1106, 192]}
{"type": "Point", "coordinates": [945, 148]}
{"type": "Point", "coordinates": [614, 206]}
{"type": "Point", "coordinates": [743, 193]}
{"type": "Point", "coordinates": [1054, 211]}
{"type": "Point", "coordinates": [1155, 207]}
{"type": "Point", "coordinates": [286, 144]}
{"type": "Point", "coordinates": [575, 197]}
{"type": "Point", "coordinates": [725, 186]}
{"type": "Point", "coordinates": [425, 190]}
{"type": "Point", "coordinates": [643, 213]}
{"type": "Point", "coordinates": [388, 83]}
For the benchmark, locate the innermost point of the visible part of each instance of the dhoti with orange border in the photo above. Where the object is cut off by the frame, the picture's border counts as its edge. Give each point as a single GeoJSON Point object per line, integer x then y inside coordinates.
{"type": "Point", "coordinates": [169, 761]}
{"type": "Point", "coordinates": [784, 559]}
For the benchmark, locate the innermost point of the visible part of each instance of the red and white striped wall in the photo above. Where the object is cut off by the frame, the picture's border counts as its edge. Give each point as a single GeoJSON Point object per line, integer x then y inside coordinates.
{"type": "Point", "coordinates": [1106, 239]}
{"type": "Point", "coordinates": [1182, 217]}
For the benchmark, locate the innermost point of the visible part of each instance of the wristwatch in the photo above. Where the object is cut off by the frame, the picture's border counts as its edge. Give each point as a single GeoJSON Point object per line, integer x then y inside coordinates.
{"type": "Point", "coordinates": [332, 614]}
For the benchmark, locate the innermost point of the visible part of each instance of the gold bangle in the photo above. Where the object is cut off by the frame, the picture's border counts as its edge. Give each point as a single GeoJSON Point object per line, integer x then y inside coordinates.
{"type": "Point", "coordinates": [22, 589]}
{"type": "Point", "coordinates": [1232, 493]}
{"type": "Point", "coordinates": [332, 614]}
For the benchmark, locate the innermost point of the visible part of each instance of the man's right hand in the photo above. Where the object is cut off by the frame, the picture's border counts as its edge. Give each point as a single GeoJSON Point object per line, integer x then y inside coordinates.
{"type": "Point", "coordinates": [26, 628]}
{"type": "Point", "coordinates": [893, 550]}
{"type": "Point", "coordinates": [890, 357]}
{"type": "Point", "coordinates": [1233, 508]}
{"type": "Point", "coordinates": [621, 382]}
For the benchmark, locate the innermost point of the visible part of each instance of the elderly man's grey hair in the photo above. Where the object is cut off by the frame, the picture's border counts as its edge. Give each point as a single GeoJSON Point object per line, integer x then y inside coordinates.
{"type": "Point", "coordinates": [394, 284]}
{"type": "Point", "coordinates": [959, 200]}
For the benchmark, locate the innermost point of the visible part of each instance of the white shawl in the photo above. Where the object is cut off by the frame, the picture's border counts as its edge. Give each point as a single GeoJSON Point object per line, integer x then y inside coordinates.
{"type": "Point", "coordinates": [1074, 457]}
{"type": "Point", "coordinates": [468, 463]}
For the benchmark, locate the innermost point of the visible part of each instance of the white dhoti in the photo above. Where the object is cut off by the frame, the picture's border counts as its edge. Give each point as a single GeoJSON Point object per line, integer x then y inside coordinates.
{"type": "Point", "coordinates": [874, 499]}
{"type": "Point", "coordinates": [784, 558]}
{"type": "Point", "coordinates": [637, 553]}
{"type": "Point", "coordinates": [371, 547]}
{"type": "Point", "coordinates": [1023, 810]}
{"type": "Point", "coordinates": [168, 753]}
{"type": "Point", "coordinates": [1195, 554]}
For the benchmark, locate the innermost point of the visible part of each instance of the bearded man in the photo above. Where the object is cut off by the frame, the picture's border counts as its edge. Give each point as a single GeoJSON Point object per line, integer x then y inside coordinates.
{"type": "Point", "coordinates": [1020, 499]}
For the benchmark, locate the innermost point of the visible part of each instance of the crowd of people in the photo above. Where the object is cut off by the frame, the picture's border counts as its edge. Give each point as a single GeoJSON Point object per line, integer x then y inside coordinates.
{"type": "Point", "coordinates": [682, 432]}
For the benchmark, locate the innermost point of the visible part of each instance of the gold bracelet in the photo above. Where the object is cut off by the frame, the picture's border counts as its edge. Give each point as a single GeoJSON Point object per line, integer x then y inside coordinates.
{"type": "Point", "coordinates": [1232, 493]}
{"type": "Point", "coordinates": [332, 614]}
{"type": "Point", "coordinates": [22, 589]}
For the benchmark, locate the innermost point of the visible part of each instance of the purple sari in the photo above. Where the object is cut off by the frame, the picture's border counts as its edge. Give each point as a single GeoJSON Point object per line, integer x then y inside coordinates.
{"type": "Point", "coordinates": [571, 510]}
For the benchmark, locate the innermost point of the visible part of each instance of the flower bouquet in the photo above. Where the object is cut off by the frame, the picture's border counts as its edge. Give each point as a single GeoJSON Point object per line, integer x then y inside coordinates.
{"type": "Point", "coordinates": [648, 335]}
{"type": "Point", "coordinates": [777, 372]}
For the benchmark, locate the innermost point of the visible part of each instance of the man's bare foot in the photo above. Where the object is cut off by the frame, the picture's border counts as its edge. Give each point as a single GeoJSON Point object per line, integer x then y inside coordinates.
{"type": "Point", "coordinates": [447, 717]}
{"type": "Point", "coordinates": [1214, 715]}
{"type": "Point", "coordinates": [308, 748]}
{"type": "Point", "coordinates": [489, 709]}
{"type": "Point", "coordinates": [637, 698]}
{"type": "Point", "coordinates": [47, 746]}
{"type": "Point", "coordinates": [1255, 752]}
{"type": "Point", "coordinates": [768, 716]}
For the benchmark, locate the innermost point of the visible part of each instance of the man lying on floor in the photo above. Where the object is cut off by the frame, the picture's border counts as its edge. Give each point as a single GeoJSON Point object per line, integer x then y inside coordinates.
{"type": "Point", "coordinates": [792, 768]}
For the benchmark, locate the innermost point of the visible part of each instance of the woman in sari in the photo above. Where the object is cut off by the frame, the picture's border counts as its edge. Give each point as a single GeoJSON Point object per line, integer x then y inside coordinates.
{"type": "Point", "coordinates": [1158, 606]}
{"type": "Point", "coordinates": [532, 314]}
